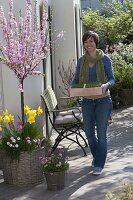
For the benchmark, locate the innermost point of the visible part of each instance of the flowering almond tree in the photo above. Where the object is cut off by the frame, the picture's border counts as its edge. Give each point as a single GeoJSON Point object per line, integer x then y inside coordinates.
{"type": "Point", "coordinates": [25, 44]}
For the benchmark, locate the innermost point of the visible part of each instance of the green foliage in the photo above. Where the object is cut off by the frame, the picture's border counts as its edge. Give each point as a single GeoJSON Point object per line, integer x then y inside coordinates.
{"type": "Point", "coordinates": [125, 194]}
{"type": "Point", "coordinates": [114, 8]}
{"type": "Point", "coordinates": [87, 85]}
{"type": "Point", "coordinates": [72, 102]}
{"type": "Point", "coordinates": [122, 60]}
{"type": "Point", "coordinates": [113, 24]}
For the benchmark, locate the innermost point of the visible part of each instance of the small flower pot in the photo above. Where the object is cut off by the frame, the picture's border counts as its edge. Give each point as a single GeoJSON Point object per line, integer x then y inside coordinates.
{"type": "Point", "coordinates": [55, 180]}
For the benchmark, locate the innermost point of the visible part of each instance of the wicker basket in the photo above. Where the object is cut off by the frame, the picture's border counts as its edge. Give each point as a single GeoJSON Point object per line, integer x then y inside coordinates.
{"type": "Point", "coordinates": [25, 171]}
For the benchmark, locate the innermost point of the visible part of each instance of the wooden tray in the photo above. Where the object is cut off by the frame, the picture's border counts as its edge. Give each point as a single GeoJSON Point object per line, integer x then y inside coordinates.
{"type": "Point", "coordinates": [92, 91]}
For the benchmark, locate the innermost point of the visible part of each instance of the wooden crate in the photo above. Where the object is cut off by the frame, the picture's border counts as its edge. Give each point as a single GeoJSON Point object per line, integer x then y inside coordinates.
{"type": "Point", "coordinates": [81, 92]}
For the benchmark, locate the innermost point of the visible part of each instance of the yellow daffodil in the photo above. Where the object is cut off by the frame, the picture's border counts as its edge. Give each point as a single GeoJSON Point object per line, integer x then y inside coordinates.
{"type": "Point", "coordinates": [31, 120]}
{"type": "Point", "coordinates": [5, 112]}
{"type": "Point", "coordinates": [0, 118]}
{"type": "Point", "coordinates": [26, 109]}
{"type": "Point", "coordinates": [32, 113]}
{"type": "Point", "coordinates": [0, 128]}
{"type": "Point", "coordinates": [6, 119]}
{"type": "Point", "coordinates": [11, 117]}
{"type": "Point", "coordinates": [39, 110]}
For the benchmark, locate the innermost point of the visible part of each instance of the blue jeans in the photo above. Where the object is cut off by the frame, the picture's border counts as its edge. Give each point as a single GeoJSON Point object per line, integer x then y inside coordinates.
{"type": "Point", "coordinates": [95, 120]}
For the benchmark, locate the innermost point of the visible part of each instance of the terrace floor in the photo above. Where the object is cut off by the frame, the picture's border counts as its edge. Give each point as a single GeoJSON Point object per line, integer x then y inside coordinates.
{"type": "Point", "coordinates": [80, 183]}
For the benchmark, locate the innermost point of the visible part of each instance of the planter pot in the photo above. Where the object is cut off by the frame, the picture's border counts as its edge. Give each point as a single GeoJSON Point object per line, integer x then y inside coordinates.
{"type": "Point", "coordinates": [25, 171]}
{"type": "Point", "coordinates": [85, 91]}
{"type": "Point", "coordinates": [55, 181]}
{"type": "Point", "coordinates": [126, 97]}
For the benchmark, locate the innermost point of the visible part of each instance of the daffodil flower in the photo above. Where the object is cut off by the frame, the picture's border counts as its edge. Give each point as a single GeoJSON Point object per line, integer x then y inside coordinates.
{"type": "Point", "coordinates": [39, 110]}
{"type": "Point", "coordinates": [11, 117]}
{"type": "Point", "coordinates": [32, 113]}
{"type": "Point", "coordinates": [6, 119]}
{"type": "Point", "coordinates": [26, 109]}
{"type": "Point", "coordinates": [31, 120]}
{"type": "Point", "coordinates": [5, 112]}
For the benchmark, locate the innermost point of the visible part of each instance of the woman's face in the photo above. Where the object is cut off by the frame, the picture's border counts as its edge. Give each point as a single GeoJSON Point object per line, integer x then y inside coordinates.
{"type": "Point", "coordinates": [90, 45]}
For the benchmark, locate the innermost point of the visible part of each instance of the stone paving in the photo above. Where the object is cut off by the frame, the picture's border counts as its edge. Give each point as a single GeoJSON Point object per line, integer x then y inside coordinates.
{"type": "Point", "coordinates": [80, 183]}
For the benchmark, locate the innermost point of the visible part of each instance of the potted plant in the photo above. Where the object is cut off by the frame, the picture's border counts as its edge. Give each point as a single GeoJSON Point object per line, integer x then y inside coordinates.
{"type": "Point", "coordinates": [122, 59]}
{"type": "Point", "coordinates": [16, 138]}
{"type": "Point", "coordinates": [21, 145]}
{"type": "Point", "coordinates": [55, 166]}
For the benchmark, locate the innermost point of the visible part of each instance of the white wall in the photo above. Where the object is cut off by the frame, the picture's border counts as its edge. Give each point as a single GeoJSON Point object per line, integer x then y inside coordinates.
{"type": "Point", "coordinates": [64, 19]}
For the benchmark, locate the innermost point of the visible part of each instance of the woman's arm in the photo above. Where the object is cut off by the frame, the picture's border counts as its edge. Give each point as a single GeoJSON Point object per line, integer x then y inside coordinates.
{"type": "Point", "coordinates": [109, 74]}
{"type": "Point", "coordinates": [109, 71]}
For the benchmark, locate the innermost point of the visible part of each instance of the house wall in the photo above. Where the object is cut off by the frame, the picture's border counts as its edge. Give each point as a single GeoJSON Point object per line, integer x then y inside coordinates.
{"type": "Point", "coordinates": [64, 19]}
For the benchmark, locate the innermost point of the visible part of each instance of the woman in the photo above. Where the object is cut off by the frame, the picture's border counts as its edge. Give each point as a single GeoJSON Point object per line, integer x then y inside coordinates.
{"type": "Point", "coordinates": [95, 66]}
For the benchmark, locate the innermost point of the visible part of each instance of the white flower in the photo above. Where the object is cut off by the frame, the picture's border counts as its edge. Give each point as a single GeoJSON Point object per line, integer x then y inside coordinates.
{"type": "Point", "coordinates": [11, 145]}
{"type": "Point", "coordinates": [12, 138]}
{"type": "Point", "coordinates": [35, 140]}
{"type": "Point", "coordinates": [16, 145]}
{"type": "Point", "coordinates": [18, 138]}
{"type": "Point", "coordinates": [8, 143]}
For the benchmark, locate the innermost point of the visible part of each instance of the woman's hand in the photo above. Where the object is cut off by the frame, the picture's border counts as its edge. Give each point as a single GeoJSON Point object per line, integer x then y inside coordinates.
{"type": "Point", "coordinates": [104, 88]}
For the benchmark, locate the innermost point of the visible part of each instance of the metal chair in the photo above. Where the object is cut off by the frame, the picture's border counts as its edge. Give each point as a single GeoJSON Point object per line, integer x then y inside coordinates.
{"type": "Point", "coordinates": [66, 122]}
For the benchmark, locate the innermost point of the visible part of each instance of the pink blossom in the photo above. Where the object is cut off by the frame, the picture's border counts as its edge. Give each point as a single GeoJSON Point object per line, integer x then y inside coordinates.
{"type": "Point", "coordinates": [25, 46]}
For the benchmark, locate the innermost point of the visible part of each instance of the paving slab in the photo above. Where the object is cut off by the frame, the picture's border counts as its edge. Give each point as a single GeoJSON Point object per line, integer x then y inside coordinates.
{"type": "Point", "coordinates": [80, 183]}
